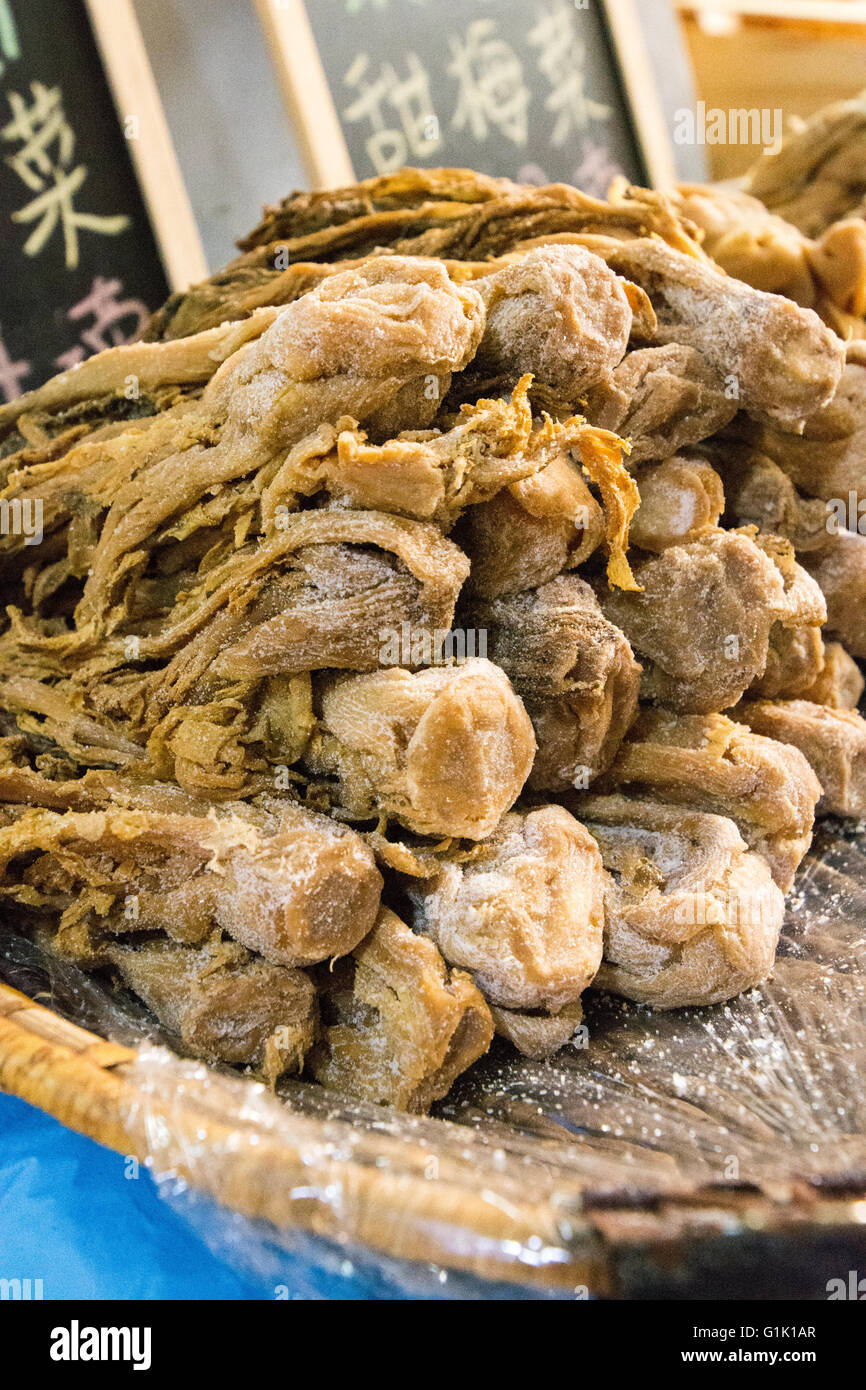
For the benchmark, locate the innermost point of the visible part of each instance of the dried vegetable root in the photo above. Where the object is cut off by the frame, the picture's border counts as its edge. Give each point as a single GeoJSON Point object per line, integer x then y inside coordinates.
{"type": "Point", "coordinates": [452, 622]}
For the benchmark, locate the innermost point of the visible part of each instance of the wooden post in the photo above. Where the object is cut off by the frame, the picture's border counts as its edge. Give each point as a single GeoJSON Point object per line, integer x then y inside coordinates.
{"type": "Point", "coordinates": [306, 92]}
{"type": "Point", "coordinates": [639, 84]}
{"type": "Point", "coordinates": [135, 93]}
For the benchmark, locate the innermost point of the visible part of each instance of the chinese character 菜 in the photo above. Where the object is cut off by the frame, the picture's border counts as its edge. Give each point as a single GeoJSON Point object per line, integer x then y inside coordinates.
{"type": "Point", "coordinates": [562, 59]}
{"type": "Point", "coordinates": [45, 164]}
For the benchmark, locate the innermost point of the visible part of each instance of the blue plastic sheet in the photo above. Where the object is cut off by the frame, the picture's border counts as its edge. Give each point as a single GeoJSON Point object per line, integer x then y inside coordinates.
{"type": "Point", "coordinates": [70, 1216]}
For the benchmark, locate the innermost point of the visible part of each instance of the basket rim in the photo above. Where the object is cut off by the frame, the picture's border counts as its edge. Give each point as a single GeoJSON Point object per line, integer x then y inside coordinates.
{"type": "Point", "coordinates": [91, 1085]}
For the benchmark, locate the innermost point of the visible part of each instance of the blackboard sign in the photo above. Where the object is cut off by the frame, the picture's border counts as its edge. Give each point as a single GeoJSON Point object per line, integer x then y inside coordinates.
{"type": "Point", "coordinates": [535, 90]}
{"type": "Point", "coordinates": [81, 269]}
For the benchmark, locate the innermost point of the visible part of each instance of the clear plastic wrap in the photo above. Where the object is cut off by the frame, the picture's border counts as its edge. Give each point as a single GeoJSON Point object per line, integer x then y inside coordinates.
{"type": "Point", "coordinates": [622, 1166]}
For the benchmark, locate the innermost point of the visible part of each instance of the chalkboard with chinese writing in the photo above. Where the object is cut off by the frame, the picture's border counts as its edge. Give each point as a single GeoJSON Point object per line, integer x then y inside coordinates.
{"type": "Point", "coordinates": [529, 89]}
{"type": "Point", "coordinates": [80, 266]}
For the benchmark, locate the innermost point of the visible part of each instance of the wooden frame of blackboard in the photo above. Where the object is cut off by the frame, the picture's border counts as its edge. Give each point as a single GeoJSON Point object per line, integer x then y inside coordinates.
{"type": "Point", "coordinates": [323, 146]}
{"type": "Point", "coordinates": [135, 93]}
{"type": "Point", "coordinates": [779, 11]}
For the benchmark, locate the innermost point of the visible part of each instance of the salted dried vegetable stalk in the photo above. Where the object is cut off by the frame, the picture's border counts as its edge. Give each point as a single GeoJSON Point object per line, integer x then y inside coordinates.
{"type": "Point", "coordinates": [461, 612]}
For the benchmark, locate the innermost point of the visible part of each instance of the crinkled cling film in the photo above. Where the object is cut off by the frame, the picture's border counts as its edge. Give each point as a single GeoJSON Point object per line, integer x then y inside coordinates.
{"type": "Point", "coordinates": [716, 1144]}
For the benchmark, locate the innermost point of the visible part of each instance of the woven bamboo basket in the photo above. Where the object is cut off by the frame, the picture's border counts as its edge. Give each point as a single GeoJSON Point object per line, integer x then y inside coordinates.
{"type": "Point", "coordinates": [486, 1202]}
{"type": "Point", "coordinates": [93, 1086]}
